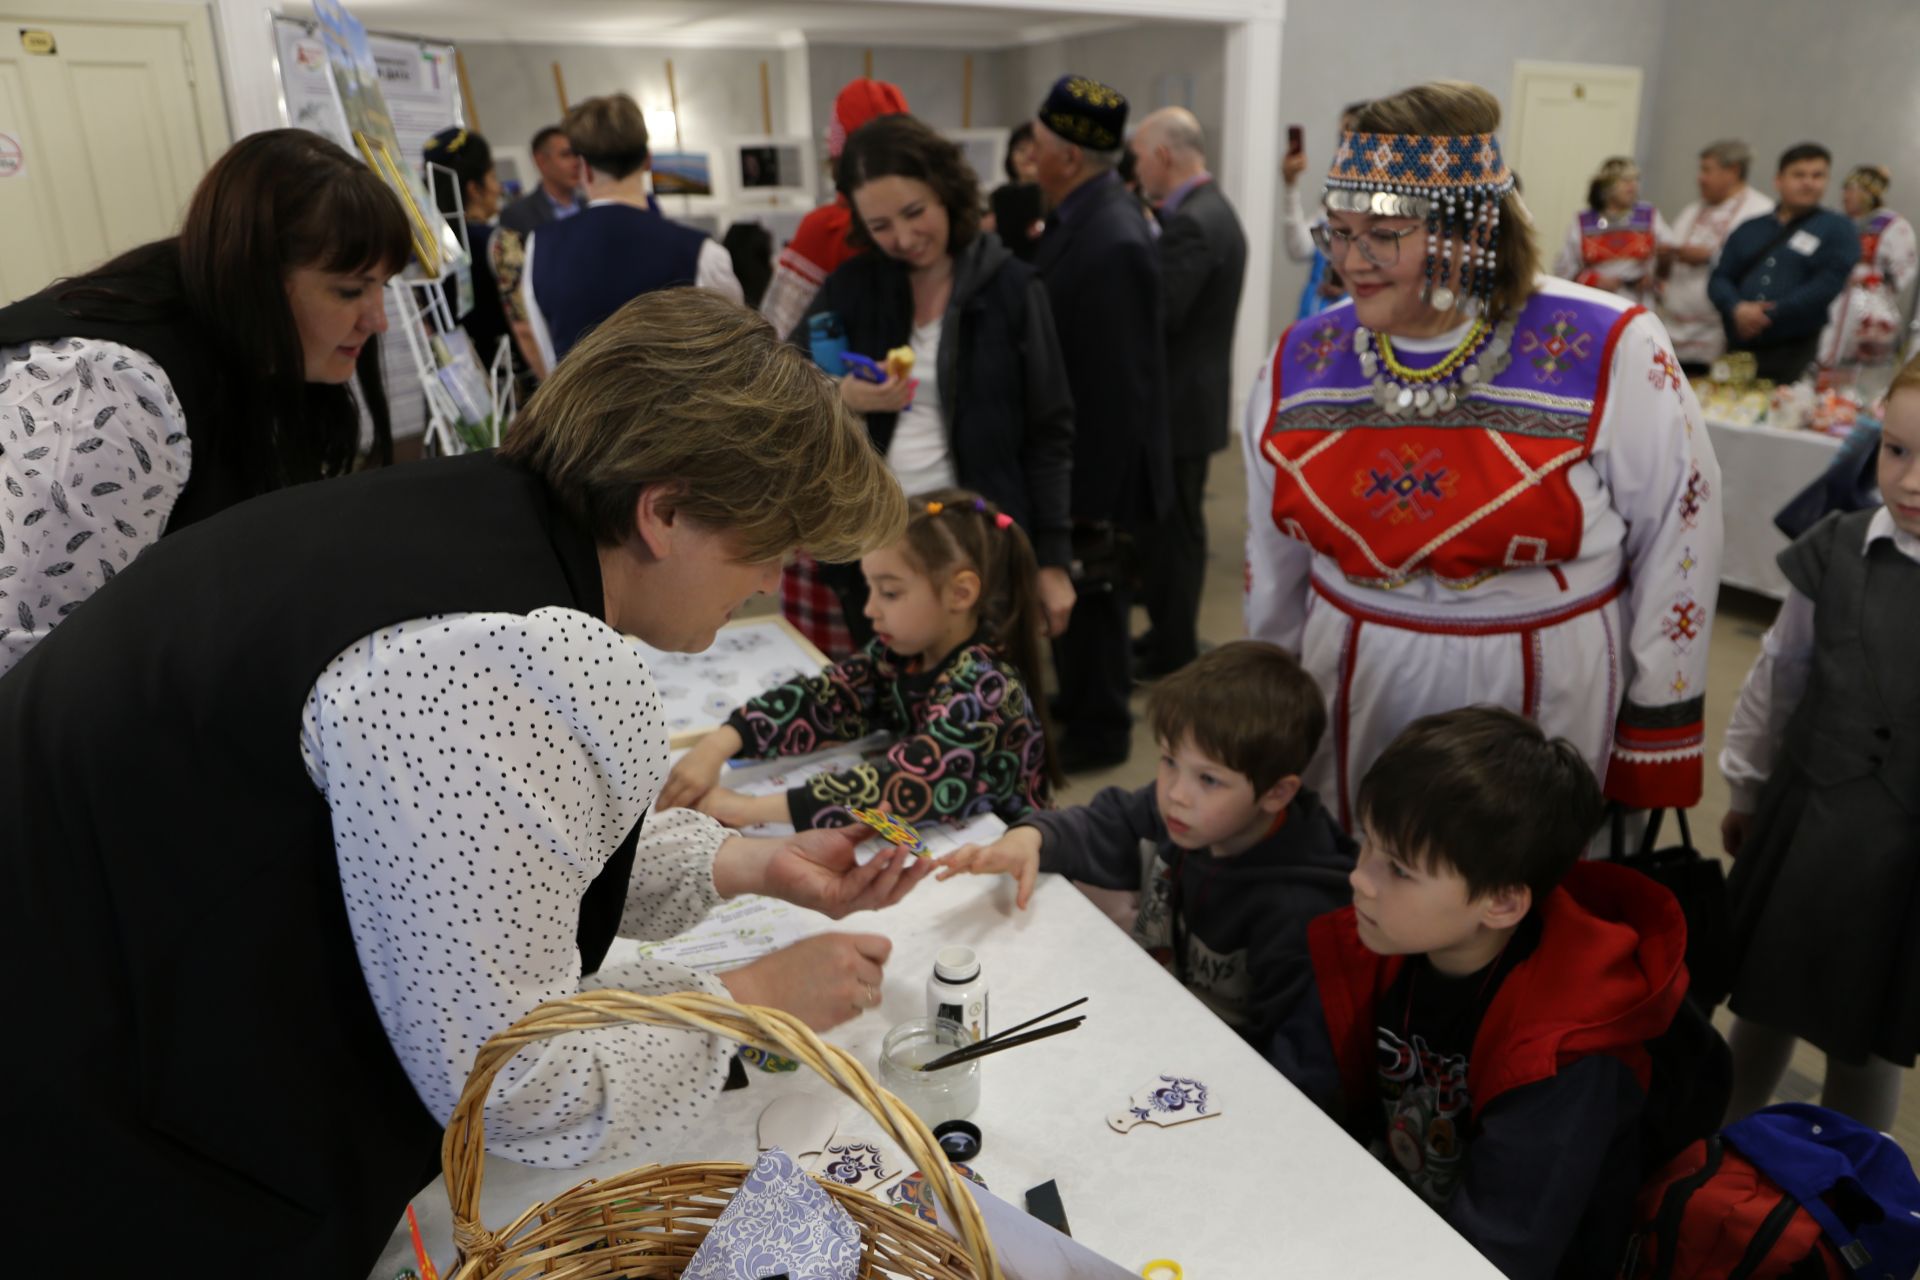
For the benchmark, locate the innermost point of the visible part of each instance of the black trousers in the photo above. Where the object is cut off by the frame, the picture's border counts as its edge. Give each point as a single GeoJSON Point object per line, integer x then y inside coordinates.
{"type": "Point", "coordinates": [1093, 660]}
{"type": "Point", "coordinates": [1176, 570]}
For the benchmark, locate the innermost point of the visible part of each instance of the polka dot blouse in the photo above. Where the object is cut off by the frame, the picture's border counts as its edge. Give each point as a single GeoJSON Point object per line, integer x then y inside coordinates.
{"type": "Point", "coordinates": [481, 768]}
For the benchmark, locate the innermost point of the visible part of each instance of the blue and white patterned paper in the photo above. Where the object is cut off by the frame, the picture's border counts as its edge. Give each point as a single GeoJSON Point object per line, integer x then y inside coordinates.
{"type": "Point", "coordinates": [780, 1221]}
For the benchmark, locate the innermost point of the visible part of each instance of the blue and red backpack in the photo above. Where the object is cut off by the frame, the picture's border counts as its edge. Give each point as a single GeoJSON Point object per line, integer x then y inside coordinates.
{"type": "Point", "coordinates": [1792, 1192]}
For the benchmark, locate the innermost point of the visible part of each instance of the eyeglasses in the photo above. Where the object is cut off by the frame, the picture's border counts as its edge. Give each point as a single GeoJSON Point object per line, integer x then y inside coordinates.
{"type": "Point", "coordinates": [1377, 245]}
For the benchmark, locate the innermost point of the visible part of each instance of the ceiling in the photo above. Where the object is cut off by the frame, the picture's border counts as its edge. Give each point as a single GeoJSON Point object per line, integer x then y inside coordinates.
{"type": "Point", "coordinates": [722, 23]}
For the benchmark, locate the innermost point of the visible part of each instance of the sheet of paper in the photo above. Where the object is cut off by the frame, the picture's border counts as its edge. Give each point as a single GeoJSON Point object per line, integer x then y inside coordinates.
{"type": "Point", "coordinates": [699, 690]}
{"type": "Point", "coordinates": [1029, 1249]}
{"type": "Point", "coordinates": [736, 932]}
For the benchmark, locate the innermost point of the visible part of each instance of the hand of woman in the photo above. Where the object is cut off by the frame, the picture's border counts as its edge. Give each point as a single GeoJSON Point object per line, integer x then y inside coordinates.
{"type": "Point", "coordinates": [1056, 599]}
{"type": "Point", "coordinates": [817, 869]}
{"type": "Point", "coordinates": [891, 396]}
{"type": "Point", "coordinates": [823, 980]}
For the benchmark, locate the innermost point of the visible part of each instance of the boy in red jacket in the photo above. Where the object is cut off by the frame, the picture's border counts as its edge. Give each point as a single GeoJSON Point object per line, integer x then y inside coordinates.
{"type": "Point", "coordinates": [1479, 1016]}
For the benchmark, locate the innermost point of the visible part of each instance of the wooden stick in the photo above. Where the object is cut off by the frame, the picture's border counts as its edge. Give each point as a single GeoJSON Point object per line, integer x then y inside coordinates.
{"type": "Point", "coordinates": [966, 92]}
{"type": "Point", "coordinates": [560, 87]}
{"type": "Point", "coordinates": [974, 1052]}
{"type": "Point", "coordinates": [466, 90]}
{"type": "Point", "coordinates": [867, 63]}
{"type": "Point", "coordinates": [673, 102]}
{"type": "Point", "coordinates": [766, 102]}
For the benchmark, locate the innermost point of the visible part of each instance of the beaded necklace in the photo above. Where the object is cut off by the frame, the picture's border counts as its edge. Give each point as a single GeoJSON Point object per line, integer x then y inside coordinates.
{"type": "Point", "coordinates": [1399, 390]}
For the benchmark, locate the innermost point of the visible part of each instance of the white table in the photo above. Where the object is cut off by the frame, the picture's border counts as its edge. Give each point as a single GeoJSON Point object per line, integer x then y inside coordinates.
{"type": "Point", "coordinates": [1269, 1187]}
{"type": "Point", "coordinates": [1761, 469]}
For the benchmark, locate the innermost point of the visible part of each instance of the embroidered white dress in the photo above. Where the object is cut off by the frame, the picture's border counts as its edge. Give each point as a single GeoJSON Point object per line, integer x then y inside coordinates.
{"type": "Point", "coordinates": [1552, 546]}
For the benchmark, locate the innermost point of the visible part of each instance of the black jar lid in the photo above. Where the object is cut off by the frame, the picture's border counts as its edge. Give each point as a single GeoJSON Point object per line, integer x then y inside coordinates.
{"type": "Point", "coordinates": [958, 1139]}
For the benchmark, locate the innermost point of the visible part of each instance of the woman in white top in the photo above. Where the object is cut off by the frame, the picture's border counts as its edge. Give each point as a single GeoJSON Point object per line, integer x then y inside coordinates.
{"type": "Point", "coordinates": [1613, 243]}
{"type": "Point", "coordinates": [986, 404]}
{"type": "Point", "coordinates": [1864, 325]}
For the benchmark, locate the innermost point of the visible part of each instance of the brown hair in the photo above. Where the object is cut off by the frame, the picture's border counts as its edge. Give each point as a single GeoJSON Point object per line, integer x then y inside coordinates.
{"type": "Point", "coordinates": [1615, 169]}
{"type": "Point", "coordinates": [905, 147]}
{"type": "Point", "coordinates": [684, 389]}
{"type": "Point", "coordinates": [1247, 705]}
{"type": "Point", "coordinates": [608, 133]}
{"type": "Point", "coordinates": [1454, 106]}
{"type": "Point", "coordinates": [953, 529]}
{"type": "Point", "coordinates": [274, 202]}
{"type": "Point", "coordinates": [1484, 792]}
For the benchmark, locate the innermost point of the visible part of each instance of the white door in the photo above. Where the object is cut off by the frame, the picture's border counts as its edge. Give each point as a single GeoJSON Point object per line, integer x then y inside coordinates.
{"type": "Point", "coordinates": [106, 124]}
{"type": "Point", "coordinates": [1567, 119]}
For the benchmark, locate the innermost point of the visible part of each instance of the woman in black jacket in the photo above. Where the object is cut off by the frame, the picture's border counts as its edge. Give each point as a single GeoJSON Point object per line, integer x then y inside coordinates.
{"type": "Point", "coordinates": [985, 404]}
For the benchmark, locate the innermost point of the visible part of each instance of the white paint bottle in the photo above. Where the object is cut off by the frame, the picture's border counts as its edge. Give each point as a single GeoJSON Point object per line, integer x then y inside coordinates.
{"type": "Point", "coordinates": [957, 991]}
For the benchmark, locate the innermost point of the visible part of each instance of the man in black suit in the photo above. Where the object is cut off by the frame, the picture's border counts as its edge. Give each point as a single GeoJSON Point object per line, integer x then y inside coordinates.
{"type": "Point", "coordinates": [558, 195]}
{"type": "Point", "coordinates": [1103, 278]}
{"type": "Point", "coordinates": [1203, 262]}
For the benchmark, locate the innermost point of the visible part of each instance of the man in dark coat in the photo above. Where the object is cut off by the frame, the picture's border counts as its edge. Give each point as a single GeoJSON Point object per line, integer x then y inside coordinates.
{"type": "Point", "coordinates": [1203, 262]}
{"type": "Point", "coordinates": [559, 195]}
{"type": "Point", "coordinates": [1103, 276]}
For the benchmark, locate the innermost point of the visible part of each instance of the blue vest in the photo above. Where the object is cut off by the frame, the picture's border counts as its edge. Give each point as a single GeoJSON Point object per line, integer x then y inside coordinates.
{"type": "Point", "coordinates": [588, 266]}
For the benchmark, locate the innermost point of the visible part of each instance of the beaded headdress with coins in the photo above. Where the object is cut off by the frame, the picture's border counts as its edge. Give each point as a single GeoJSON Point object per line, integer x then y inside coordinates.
{"type": "Point", "coordinates": [1453, 182]}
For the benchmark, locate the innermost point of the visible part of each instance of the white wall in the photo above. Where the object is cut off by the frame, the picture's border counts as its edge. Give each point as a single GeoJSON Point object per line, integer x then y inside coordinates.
{"type": "Point", "coordinates": [932, 79]}
{"type": "Point", "coordinates": [718, 89]}
{"type": "Point", "coordinates": [1153, 64]}
{"type": "Point", "coordinates": [1336, 51]}
{"type": "Point", "coordinates": [1842, 76]}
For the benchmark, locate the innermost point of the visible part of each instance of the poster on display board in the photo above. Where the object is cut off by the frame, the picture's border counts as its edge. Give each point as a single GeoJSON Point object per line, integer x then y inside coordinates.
{"type": "Point", "coordinates": [370, 121]}
{"type": "Point", "coordinates": [417, 78]}
{"type": "Point", "coordinates": [422, 90]}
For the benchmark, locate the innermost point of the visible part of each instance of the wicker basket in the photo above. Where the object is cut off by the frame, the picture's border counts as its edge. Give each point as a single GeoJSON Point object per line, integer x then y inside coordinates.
{"type": "Point", "coordinates": [648, 1222]}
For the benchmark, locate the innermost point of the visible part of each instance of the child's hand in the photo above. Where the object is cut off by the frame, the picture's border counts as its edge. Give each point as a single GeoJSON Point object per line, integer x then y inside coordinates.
{"type": "Point", "coordinates": [736, 809]}
{"type": "Point", "coordinates": [694, 773]}
{"type": "Point", "coordinates": [1733, 831]}
{"type": "Point", "coordinates": [1016, 854]}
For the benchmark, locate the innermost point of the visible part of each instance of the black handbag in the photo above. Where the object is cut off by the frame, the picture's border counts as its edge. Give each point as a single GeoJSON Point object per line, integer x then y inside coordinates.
{"type": "Point", "coordinates": [1699, 883]}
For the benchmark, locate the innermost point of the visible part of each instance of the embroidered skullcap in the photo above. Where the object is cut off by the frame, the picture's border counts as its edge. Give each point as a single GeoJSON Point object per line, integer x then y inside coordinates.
{"type": "Point", "coordinates": [1874, 179]}
{"type": "Point", "coordinates": [859, 102]}
{"type": "Point", "coordinates": [1085, 113]}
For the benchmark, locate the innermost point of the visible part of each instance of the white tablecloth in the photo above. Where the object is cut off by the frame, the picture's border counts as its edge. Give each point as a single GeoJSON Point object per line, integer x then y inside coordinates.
{"type": "Point", "coordinates": [1761, 468]}
{"type": "Point", "coordinates": [1269, 1187]}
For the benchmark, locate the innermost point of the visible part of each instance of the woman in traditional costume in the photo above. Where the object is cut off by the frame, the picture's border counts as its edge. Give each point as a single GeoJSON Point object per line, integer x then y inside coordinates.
{"type": "Point", "coordinates": [1475, 484]}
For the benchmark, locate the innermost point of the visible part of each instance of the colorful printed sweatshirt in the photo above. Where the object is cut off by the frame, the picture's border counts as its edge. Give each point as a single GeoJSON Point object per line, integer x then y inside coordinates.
{"type": "Point", "coordinates": [969, 739]}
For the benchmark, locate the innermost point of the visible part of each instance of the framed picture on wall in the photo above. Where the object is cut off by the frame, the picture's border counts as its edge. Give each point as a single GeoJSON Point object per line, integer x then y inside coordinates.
{"type": "Point", "coordinates": [683, 173]}
{"type": "Point", "coordinates": [762, 168]}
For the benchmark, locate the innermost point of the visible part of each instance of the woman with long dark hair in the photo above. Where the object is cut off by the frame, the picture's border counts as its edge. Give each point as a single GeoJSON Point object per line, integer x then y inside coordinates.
{"type": "Point", "coordinates": [985, 405]}
{"type": "Point", "coordinates": [192, 373]}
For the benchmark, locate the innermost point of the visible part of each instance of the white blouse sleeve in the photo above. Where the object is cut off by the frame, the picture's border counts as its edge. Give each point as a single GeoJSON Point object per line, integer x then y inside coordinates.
{"type": "Point", "coordinates": [480, 769]}
{"type": "Point", "coordinates": [1568, 264]}
{"type": "Point", "coordinates": [93, 456]}
{"type": "Point", "coordinates": [1898, 257]}
{"type": "Point", "coordinates": [1653, 451]}
{"type": "Point", "coordinates": [1767, 701]}
{"type": "Point", "coordinates": [714, 271]}
{"type": "Point", "coordinates": [1278, 567]}
{"type": "Point", "coordinates": [1297, 232]}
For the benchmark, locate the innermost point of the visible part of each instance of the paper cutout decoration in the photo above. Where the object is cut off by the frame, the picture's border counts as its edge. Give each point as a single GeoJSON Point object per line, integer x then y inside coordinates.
{"type": "Point", "coordinates": [801, 1123]}
{"type": "Point", "coordinates": [1165, 1101]}
{"type": "Point", "coordinates": [892, 829]}
{"type": "Point", "coordinates": [912, 1195]}
{"type": "Point", "coordinates": [860, 1165]}
{"type": "Point", "coordinates": [779, 1221]}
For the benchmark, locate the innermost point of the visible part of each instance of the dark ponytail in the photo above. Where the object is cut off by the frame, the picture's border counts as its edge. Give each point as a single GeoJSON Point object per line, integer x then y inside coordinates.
{"type": "Point", "coordinates": [952, 529]}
